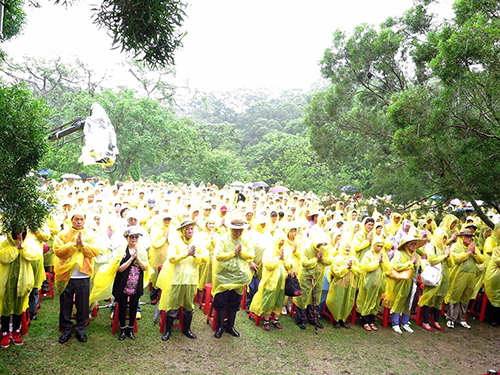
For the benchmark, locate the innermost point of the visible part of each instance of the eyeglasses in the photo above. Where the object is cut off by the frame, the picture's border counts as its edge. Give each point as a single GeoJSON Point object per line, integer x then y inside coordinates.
{"type": "Point", "coordinates": [134, 236]}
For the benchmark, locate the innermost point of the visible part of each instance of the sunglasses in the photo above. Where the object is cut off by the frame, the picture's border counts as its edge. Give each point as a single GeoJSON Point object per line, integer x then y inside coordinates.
{"type": "Point", "coordinates": [134, 236]}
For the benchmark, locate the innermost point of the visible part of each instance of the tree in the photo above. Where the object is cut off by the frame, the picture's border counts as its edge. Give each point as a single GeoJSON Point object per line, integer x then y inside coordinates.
{"type": "Point", "coordinates": [22, 125]}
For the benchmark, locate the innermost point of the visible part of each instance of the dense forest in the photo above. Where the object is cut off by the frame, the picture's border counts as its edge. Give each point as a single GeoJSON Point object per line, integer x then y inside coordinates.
{"type": "Point", "coordinates": [408, 108]}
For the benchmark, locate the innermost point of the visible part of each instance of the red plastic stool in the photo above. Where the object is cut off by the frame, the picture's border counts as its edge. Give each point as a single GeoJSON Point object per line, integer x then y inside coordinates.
{"type": "Point", "coordinates": [206, 298]}
{"type": "Point", "coordinates": [257, 318]}
{"type": "Point", "coordinates": [482, 311]}
{"type": "Point", "coordinates": [163, 320]}
{"type": "Point", "coordinates": [243, 297]}
{"type": "Point", "coordinates": [292, 310]}
{"type": "Point", "coordinates": [51, 287]}
{"type": "Point", "coordinates": [354, 314]}
{"type": "Point", "coordinates": [25, 322]}
{"type": "Point", "coordinates": [115, 324]}
{"type": "Point", "coordinates": [386, 317]}
{"type": "Point", "coordinates": [212, 317]}
{"type": "Point", "coordinates": [327, 313]}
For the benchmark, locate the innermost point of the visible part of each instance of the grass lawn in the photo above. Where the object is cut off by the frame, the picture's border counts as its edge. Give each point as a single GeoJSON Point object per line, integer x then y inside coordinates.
{"type": "Point", "coordinates": [291, 351]}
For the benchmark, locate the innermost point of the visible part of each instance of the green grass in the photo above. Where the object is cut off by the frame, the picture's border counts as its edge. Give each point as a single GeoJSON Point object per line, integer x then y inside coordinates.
{"type": "Point", "coordinates": [291, 351]}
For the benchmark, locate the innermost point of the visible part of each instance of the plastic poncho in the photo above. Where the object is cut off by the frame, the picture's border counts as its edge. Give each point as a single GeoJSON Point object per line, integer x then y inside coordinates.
{"type": "Point", "coordinates": [157, 253]}
{"type": "Point", "coordinates": [398, 292]}
{"type": "Point", "coordinates": [210, 238]}
{"type": "Point", "coordinates": [105, 276]}
{"type": "Point", "coordinates": [16, 275]}
{"type": "Point", "coordinates": [39, 237]}
{"type": "Point", "coordinates": [429, 219]}
{"type": "Point", "coordinates": [393, 227]}
{"type": "Point", "coordinates": [69, 256]}
{"type": "Point", "coordinates": [492, 278]}
{"type": "Point", "coordinates": [293, 249]}
{"type": "Point", "coordinates": [343, 284]}
{"type": "Point", "coordinates": [372, 280]}
{"type": "Point", "coordinates": [271, 293]}
{"type": "Point", "coordinates": [433, 296]}
{"type": "Point", "coordinates": [178, 278]}
{"type": "Point", "coordinates": [360, 242]}
{"type": "Point", "coordinates": [481, 267]}
{"type": "Point", "coordinates": [462, 275]}
{"type": "Point", "coordinates": [446, 225]}
{"type": "Point", "coordinates": [312, 268]}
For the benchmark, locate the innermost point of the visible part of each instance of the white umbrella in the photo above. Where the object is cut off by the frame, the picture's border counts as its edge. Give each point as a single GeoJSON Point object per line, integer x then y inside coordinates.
{"type": "Point", "coordinates": [237, 183]}
{"type": "Point", "coordinates": [71, 175]}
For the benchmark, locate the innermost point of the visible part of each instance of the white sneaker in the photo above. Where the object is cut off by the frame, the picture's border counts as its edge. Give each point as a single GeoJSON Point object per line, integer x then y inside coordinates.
{"type": "Point", "coordinates": [450, 324]}
{"type": "Point", "coordinates": [284, 311]}
{"type": "Point", "coordinates": [397, 329]}
{"type": "Point", "coordinates": [464, 324]}
{"type": "Point", "coordinates": [407, 328]}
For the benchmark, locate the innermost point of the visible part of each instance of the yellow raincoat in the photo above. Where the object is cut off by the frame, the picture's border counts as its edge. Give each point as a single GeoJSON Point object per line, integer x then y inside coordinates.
{"type": "Point", "coordinates": [462, 275]}
{"type": "Point", "coordinates": [312, 268]}
{"type": "Point", "coordinates": [492, 278]}
{"type": "Point", "coordinates": [231, 271]}
{"type": "Point", "coordinates": [68, 255]}
{"type": "Point", "coordinates": [178, 278]}
{"type": "Point", "coordinates": [372, 280]}
{"type": "Point", "coordinates": [393, 227]}
{"type": "Point", "coordinates": [157, 252]}
{"type": "Point", "coordinates": [271, 293]}
{"type": "Point", "coordinates": [16, 275]}
{"type": "Point", "coordinates": [446, 225]}
{"type": "Point", "coordinates": [433, 296]}
{"type": "Point", "coordinates": [205, 269]}
{"type": "Point", "coordinates": [360, 243]}
{"type": "Point", "coordinates": [39, 237]}
{"type": "Point", "coordinates": [105, 276]}
{"type": "Point", "coordinates": [343, 284]}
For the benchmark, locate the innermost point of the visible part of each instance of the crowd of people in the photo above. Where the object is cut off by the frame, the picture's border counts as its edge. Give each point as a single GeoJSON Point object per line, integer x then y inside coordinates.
{"type": "Point", "coordinates": [111, 241]}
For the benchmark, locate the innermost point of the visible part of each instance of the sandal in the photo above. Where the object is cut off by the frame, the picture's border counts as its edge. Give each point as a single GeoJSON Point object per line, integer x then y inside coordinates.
{"type": "Point", "coordinates": [367, 327]}
{"type": "Point", "coordinates": [372, 326]}
{"type": "Point", "coordinates": [276, 324]}
{"type": "Point", "coordinates": [266, 325]}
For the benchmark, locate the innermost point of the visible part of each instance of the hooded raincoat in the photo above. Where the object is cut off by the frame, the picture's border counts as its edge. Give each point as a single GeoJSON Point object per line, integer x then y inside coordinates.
{"type": "Point", "coordinates": [360, 242]}
{"type": "Point", "coordinates": [492, 278]}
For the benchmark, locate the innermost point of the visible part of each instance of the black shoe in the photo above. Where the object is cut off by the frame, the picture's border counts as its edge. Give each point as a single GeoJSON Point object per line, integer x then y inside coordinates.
{"type": "Point", "coordinates": [122, 334]}
{"type": "Point", "coordinates": [81, 338]}
{"type": "Point", "coordinates": [344, 324]}
{"type": "Point", "coordinates": [64, 338]}
{"type": "Point", "coordinates": [186, 326]}
{"type": "Point", "coordinates": [130, 333]}
{"type": "Point", "coordinates": [302, 325]}
{"type": "Point", "coordinates": [218, 333]}
{"type": "Point", "coordinates": [168, 329]}
{"type": "Point", "coordinates": [319, 325]}
{"type": "Point", "coordinates": [232, 331]}
{"type": "Point", "coordinates": [336, 325]}
{"type": "Point", "coordinates": [33, 317]}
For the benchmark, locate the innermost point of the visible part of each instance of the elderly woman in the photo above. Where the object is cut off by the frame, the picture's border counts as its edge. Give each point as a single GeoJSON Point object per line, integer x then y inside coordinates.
{"type": "Point", "coordinates": [270, 296]}
{"type": "Point", "coordinates": [433, 296]}
{"type": "Point", "coordinates": [128, 271]}
{"type": "Point", "coordinates": [462, 278]}
{"type": "Point", "coordinates": [16, 282]}
{"type": "Point", "coordinates": [178, 278]}
{"type": "Point", "coordinates": [343, 275]}
{"type": "Point", "coordinates": [374, 268]}
{"type": "Point", "coordinates": [399, 290]}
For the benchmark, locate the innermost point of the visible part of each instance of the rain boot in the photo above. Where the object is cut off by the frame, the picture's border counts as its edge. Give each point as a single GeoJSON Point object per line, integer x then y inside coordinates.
{"type": "Point", "coordinates": [220, 324]}
{"type": "Point", "coordinates": [168, 330]}
{"type": "Point", "coordinates": [186, 329]}
{"type": "Point", "coordinates": [231, 317]}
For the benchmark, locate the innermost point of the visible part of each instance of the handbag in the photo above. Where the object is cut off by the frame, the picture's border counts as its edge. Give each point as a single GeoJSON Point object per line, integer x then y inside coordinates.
{"type": "Point", "coordinates": [400, 275]}
{"type": "Point", "coordinates": [431, 275]}
{"type": "Point", "coordinates": [292, 286]}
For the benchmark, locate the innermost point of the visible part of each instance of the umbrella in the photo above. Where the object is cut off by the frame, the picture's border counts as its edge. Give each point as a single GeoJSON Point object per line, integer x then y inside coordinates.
{"type": "Point", "coordinates": [237, 183]}
{"type": "Point", "coordinates": [278, 189]}
{"type": "Point", "coordinates": [44, 172]}
{"type": "Point", "coordinates": [349, 189]}
{"type": "Point", "coordinates": [260, 184]}
{"type": "Point", "coordinates": [71, 175]}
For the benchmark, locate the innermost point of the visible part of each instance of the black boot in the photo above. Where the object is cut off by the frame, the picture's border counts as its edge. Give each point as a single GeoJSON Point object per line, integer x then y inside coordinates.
{"type": "Point", "coordinates": [122, 334]}
{"type": "Point", "coordinates": [186, 329]}
{"type": "Point", "coordinates": [220, 324]}
{"type": "Point", "coordinates": [130, 333]}
{"type": "Point", "coordinates": [168, 330]}
{"type": "Point", "coordinates": [231, 317]}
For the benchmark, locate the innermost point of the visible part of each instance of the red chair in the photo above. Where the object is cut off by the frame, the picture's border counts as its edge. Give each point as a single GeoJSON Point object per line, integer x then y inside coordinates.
{"type": "Point", "coordinates": [115, 323]}
{"type": "Point", "coordinates": [257, 318]}
{"type": "Point", "coordinates": [163, 320]}
{"type": "Point", "coordinates": [327, 313]}
{"type": "Point", "coordinates": [206, 298]}
{"type": "Point", "coordinates": [25, 322]}
{"type": "Point", "coordinates": [51, 287]}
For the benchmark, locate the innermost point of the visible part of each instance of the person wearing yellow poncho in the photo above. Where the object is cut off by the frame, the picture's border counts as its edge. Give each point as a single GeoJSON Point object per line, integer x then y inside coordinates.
{"type": "Point", "coordinates": [316, 257]}
{"type": "Point", "coordinates": [270, 297]}
{"type": "Point", "coordinates": [178, 278]}
{"type": "Point", "coordinates": [431, 224]}
{"type": "Point", "coordinates": [211, 238]}
{"type": "Point", "coordinates": [462, 278]}
{"type": "Point", "coordinates": [492, 287]}
{"type": "Point", "coordinates": [394, 225]}
{"type": "Point", "coordinates": [231, 272]}
{"type": "Point", "coordinates": [399, 292]}
{"type": "Point", "coordinates": [362, 240]}
{"type": "Point", "coordinates": [128, 273]}
{"type": "Point", "coordinates": [450, 227]}
{"type": "Point", "coordinates": [157, 253]}
{"type": "Point", "coordinates": [343, 275]}
{"type": "Point", "coordinates": [433, 296]}
{"type": "Point", "coordinates": [375, 266]}
{"type": "Point", "coordinates": [75, 249]}
{"type": "Point", "coordinates": [16, 282]}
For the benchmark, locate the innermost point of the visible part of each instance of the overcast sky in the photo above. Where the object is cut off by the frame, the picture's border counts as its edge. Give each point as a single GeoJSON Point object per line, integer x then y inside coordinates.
{"type": "Point", "coordinates": [230, 43]}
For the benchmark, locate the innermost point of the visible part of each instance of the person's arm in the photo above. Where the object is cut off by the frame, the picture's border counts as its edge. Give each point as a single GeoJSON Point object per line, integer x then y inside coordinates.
{"type": "Point", "coordinates": [63, 247]}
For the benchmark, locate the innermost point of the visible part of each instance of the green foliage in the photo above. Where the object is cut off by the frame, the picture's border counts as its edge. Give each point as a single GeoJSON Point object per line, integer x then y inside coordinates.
{"type": "Point", "coordinates": [14, 18]}
{"type": "Point", "coordinates": [149, 29]}
{"type": "Point", "coordinates": [22, 125]}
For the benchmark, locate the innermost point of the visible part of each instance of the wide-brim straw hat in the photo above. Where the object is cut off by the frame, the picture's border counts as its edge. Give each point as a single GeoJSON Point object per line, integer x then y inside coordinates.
{"type": "Point", "coordinates": [185, 223]}
{"type": "Point", "coordinates": [237, 222]}
{"type": "Point", "coordinates": [407, 239]}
